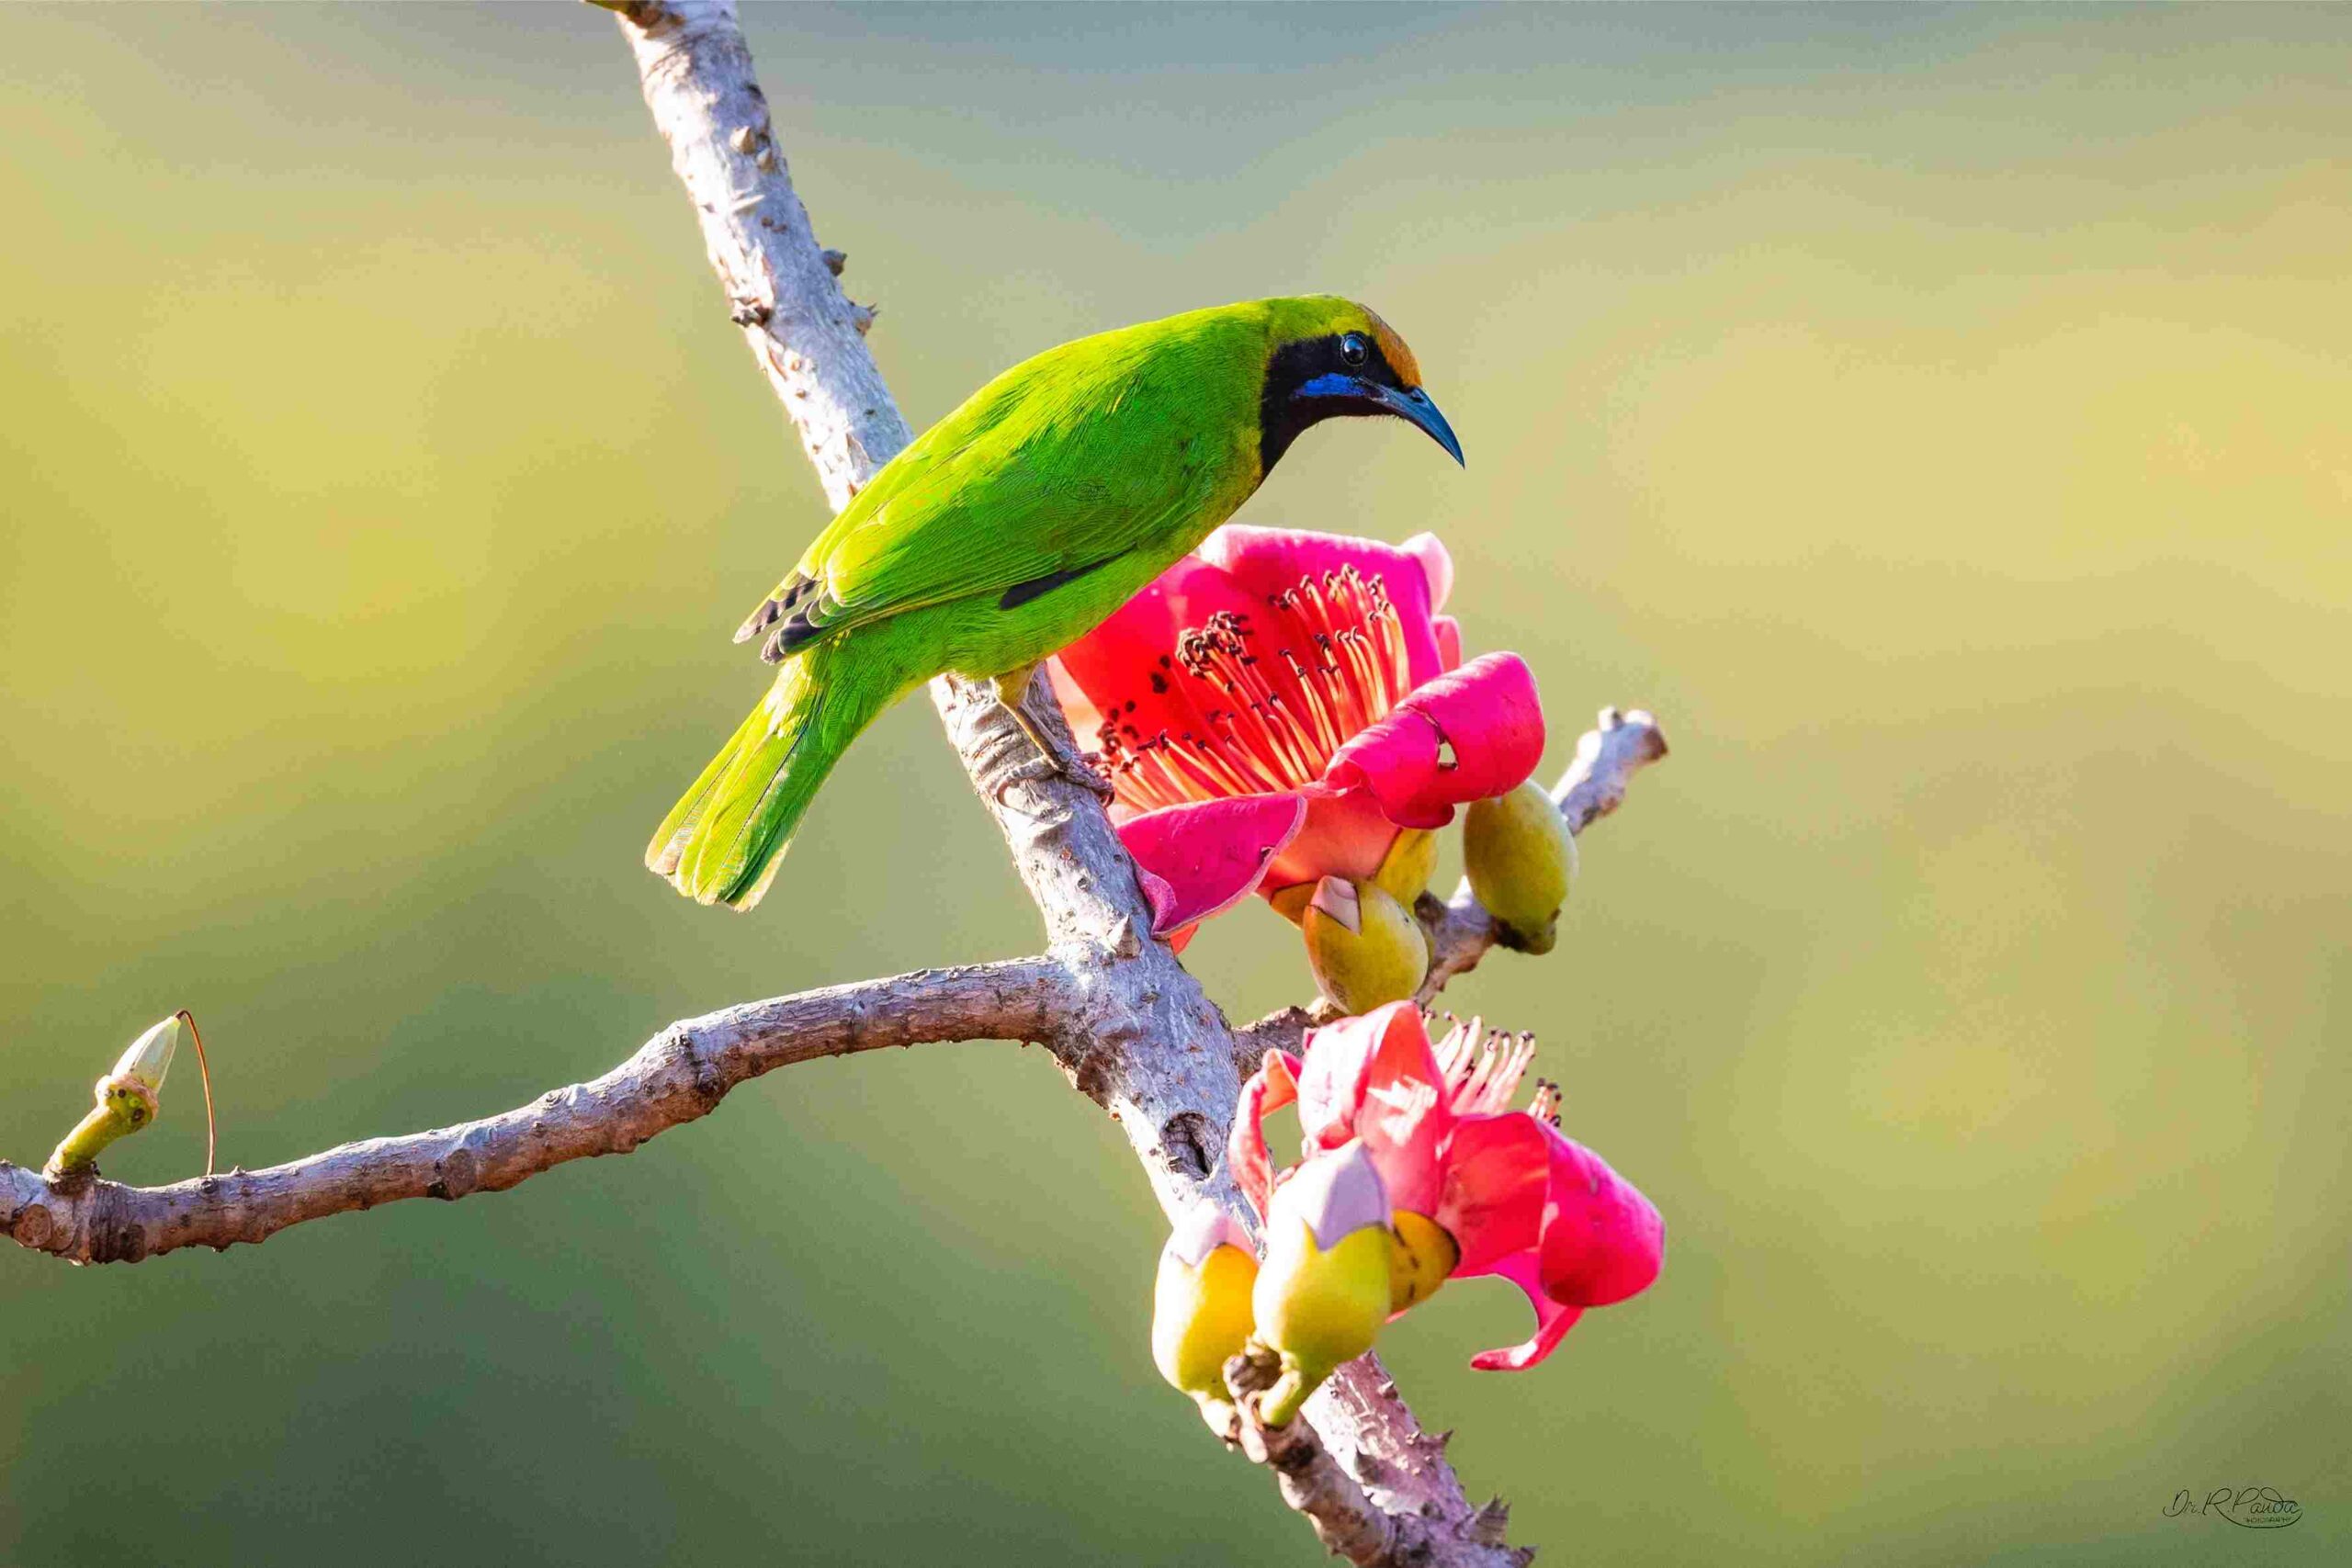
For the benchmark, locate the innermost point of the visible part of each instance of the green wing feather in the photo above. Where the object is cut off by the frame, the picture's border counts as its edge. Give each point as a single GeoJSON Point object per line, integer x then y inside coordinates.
{"type": "Point", "coordinates": [1030, 481]}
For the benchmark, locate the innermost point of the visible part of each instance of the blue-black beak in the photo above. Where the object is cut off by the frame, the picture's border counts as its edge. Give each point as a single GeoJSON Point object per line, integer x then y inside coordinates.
{"type": "Point", "coordinates": [1410, 404]}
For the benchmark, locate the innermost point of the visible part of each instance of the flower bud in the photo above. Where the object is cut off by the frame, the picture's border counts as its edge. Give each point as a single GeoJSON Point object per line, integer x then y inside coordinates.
{"type": "Point", "coordinates": [150, 1057]}
{"type": "Point", "coordinates": [1521, 857]}
{"type": "Point", "coordinates": [126, 1101]}
{"type": "Point", "coordinates": [1365, 948]}
{"type": "Point", "coordinates": [1421, 1257]}
{"type": "Point", "coordinates": [1201, 1306]}
{"type": "Point", "coordinates": [1323, 1292]}
{"type": "Point", "coordinates": [1403, 875]}
{"type": "Point", "coordinates": [1290, 902]}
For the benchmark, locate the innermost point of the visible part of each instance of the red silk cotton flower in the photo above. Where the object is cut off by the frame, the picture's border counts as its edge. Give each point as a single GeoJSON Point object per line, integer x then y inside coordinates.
{"type": "Point", "coordinates": [1279, 705]}
{"type": "Point", "coordinates": [1475, 1189]}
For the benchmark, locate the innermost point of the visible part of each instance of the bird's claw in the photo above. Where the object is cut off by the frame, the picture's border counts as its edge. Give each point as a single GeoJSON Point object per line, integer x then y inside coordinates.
{"type": "Point", "coordinates": [1079, 770]}
{"type": "Point", "coordinates": [1053, 755]}
{"type": "Point", "coordinates": [1039, 766]}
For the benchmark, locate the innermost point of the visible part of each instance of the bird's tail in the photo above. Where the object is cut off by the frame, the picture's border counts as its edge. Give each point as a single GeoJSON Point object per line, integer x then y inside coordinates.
{"type": "Point", "coordinates": [722, 842]}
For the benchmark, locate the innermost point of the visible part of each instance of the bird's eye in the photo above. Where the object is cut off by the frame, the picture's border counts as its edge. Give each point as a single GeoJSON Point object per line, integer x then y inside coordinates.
{"type": "Point", "coordinates": [1352, 350]}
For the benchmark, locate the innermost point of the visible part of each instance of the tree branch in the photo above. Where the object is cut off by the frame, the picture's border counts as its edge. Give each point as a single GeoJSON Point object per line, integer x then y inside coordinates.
{"type": "Point", "coordinates": [1147, 1044]}
{"type": "Point", "coordinates": [808, 339]}
{"type": "Point", "coordinates": [1347, 1521]}
{"type": "Point", "coordinates": [677, 1077]}
{"type": "Point", "coordinates": [1133, 1029]}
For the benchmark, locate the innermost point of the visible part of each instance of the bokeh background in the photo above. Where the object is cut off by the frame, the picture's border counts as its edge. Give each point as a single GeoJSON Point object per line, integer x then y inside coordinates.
{"type": "Point", "coordinates": [1938, 416]}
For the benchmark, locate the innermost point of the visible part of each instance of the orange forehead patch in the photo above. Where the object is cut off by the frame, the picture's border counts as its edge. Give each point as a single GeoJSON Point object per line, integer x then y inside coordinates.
{"type": "Point", "coordinates": [1400, 358]}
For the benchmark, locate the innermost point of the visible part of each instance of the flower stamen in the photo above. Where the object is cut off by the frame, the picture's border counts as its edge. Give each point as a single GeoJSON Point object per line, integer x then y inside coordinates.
{"type": "Point", "coordinates": [1482, 1070]}
{"type": "Point", "coordinates": [1260, 723]}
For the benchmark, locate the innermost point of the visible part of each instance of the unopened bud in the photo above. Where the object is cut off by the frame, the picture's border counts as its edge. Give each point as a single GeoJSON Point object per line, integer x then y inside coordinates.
{"type": "Point", "coordinates": [129, 1100]}
{"type": "Point", "coordinates": [1200, 1305]}
{"type": "Point", "coordinates": [1365, 948]}
{"type": "Point", "coordinates": [126, 1101]}
{"type": "Point", "coordinates": [1323, 1291]}
{"type": "Point", "coordinates": [150, 1056]}
{"type": "Point", "coordinates": [1521, 857]}
{"type": "Point", "coordinates": [1403, 875]}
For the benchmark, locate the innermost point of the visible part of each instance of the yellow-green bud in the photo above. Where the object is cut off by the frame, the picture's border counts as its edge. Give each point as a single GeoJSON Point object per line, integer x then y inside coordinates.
{"type": "Point", "coordinates": [1323, 1291]}
{"type": "Point", "coordinates": [1201, 1306]}
{"type": "Point", "coordinates": [1403, 875]}
{"type": "Point", "coordinates": [1521, 857]}
{"type": "Point", "coordinates": [126, 1101]}
{"type": "Point", "coordinates": [1365, 948]}
{"type": "Point", "coordinates": [1421, 1257]}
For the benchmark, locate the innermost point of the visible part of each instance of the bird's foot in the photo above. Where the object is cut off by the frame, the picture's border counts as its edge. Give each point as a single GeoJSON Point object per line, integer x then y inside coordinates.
{"type": "Point", "coordinates": [1055, 755]}
{"type": "Point", "coordinates": [1079, 768]}
{"type": "Point", "coordinates": [1053, 761]}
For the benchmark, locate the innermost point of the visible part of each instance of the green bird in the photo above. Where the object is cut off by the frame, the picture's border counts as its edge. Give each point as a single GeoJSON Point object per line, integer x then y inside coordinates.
{"type": "Point", "coordinates": [1011, 528]}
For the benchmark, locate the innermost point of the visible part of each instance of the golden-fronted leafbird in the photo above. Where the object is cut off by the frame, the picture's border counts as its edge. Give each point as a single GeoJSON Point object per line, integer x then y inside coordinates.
{"type": "Point", "coordinates": [1013, 526]}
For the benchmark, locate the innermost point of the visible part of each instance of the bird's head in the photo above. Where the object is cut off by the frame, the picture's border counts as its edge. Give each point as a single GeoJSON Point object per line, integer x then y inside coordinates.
{"type": "Point", "coordinates": [1329, 357]}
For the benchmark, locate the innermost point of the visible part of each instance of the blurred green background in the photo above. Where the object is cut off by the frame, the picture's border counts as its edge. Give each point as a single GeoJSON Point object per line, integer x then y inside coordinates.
{"type": "Point", "coordinates": [1937, 416]}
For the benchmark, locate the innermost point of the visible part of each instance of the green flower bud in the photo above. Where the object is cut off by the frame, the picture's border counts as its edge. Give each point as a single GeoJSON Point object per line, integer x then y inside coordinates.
{"type": "Point", "coordinates": [126, 1101]}
{"type": "Point", "coordinates": [129, 1100]}
{"type": "Point", "coordinates": [1323, 1292]}
{"type": "Point", "coordinates": [1201, 1306]}
{"type": "Point", "coordinates": [1365, 948]}
{"type": "Point", "coordinates": [1521, 857]}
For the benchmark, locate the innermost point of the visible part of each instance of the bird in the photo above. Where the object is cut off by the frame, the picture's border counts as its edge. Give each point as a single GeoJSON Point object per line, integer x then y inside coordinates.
{"type": "Point", "coordinates": [1011, 528]}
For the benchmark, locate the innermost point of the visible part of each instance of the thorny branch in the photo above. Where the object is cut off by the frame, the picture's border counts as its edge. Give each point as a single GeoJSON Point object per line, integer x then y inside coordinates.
{"type": "Point", "coordinates": [1132, 1029]}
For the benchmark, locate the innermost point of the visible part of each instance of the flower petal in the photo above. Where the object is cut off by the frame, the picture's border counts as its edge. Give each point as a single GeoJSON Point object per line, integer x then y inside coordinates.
{"type": "Point", "coordinates": [1346, 834]}
{"type": "Point", "coordinates": [1271, 1087]}
{"type": "Point", "coordinates": [1552, 1321]}
{"type": "Point", "coordinates": [1375, 1077]}
{"type": "Point", "coordinates": [1498, 1179]}
{"type": "Point", "coordinates": [1339, 1059]}
{"type": "Point", "coordinates": [1602, 1240]}
{"type": "Point", "coordinates": [1437, 566]}
{"type": "Point", "coordinates": [1474, 732]}
{"type": "Point", "coordinates": [1449, 642]}
{"type": "Point", "coordinates": [1202, 858]}
{"type": "Point", "coordinates": [1267, 561]}
{"type": "Point", "coordinates": [1129, 657]}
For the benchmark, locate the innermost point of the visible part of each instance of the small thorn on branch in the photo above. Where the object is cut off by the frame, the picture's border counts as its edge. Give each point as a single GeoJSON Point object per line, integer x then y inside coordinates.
{"type": "Point", "coordinates": [834, 261]}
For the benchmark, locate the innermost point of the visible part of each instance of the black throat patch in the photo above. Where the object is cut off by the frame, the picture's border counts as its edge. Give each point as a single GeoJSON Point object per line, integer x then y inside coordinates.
{"type": "Point", "coordinates": [1283, 413]}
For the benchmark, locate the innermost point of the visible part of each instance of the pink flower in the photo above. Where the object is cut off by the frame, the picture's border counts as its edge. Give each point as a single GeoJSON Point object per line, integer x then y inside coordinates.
{"type": "Point", "coordinates": [1279, 705]}
{"type": "Point", "coordinates": [1516, 1197]}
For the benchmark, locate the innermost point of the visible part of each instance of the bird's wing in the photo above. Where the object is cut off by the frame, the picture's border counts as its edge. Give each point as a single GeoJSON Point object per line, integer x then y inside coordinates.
{"type": "Point", "coordinates": [1056, 468]}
